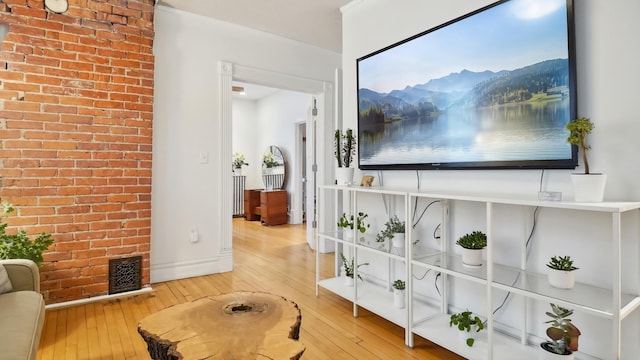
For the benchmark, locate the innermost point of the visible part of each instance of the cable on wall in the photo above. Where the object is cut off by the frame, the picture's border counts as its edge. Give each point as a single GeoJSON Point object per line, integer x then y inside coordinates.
{"type": "Point", "coordinates": [533, 227]}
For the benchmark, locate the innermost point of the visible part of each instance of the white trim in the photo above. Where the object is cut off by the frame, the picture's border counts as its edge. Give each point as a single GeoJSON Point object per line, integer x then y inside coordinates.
{"type": "Point", "coordinates": [187, 269]}
{"type": "Point", "coordinates": [65, 304]}
{"type": "Point", "coordinates": [323, 90]}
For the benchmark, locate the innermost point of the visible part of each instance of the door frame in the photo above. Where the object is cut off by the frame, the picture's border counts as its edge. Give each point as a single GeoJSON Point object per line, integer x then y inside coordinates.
{"type": "Point", "coordinates": [323, 91]}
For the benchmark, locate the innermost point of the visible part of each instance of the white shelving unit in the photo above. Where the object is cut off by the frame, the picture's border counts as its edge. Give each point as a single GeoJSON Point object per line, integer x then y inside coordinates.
{"type": "Point", "coordinates": [432, 322]}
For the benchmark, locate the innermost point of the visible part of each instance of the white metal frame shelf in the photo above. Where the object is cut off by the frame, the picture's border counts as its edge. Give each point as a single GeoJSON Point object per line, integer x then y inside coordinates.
{"type": "Point", "coordinates": [422, 319]}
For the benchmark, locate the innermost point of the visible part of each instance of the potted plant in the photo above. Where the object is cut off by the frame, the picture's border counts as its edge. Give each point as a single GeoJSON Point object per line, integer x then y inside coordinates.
{"type": "Point", "coordinates": [393, 230]}
{"type": "Point", "coordinates": [561, 273]}
{"type": "Point", "coordinates": [349, 269]}
{"type": "Point", "coordinates": [472, 245]}
{"type": "Point", "coordinates": [351, 222]}
{"type": "Point", "coordinates": [587, 187]}
{"type": "Point", "coordinates": [398, 293]}
{"type": "Point", "coordinates": [345, 151]}
{"type": "Point", "coordinates": [238, 163]}
{"type": "Point", "coordinates": [563, 334]}
{"type": "Point", "coordinates": [468, 324]}
{"type": "Point", "coordinates": [19, 245]}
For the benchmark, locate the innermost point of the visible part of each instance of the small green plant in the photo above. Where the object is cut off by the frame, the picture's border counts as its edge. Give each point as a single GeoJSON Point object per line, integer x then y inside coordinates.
{"type": "Point", "coordinates": [349, 266]}
{"type": "Point", "coordinates": [345, 147]}
{"type": "Point", "coordinates": [19, 245]}
{"type": "Point", "coordinates": [474, 240]}
{"type": "Point", "coordinates": [464, 321]}
{"type": "Point", "coordinates": [238, 161]}
{"type": "Point", "coordinates": [351, 221]}
{"type": "Point", "coordinates": [562, 332]}
{"type": "Point", "coordinates": [563, 263]}
{"type": "Point", "coordinates": [578, 131]}
{"type": "Point", "coordinates": [393, 226]}
{"type": "Point", "coordinates": [398, 284]}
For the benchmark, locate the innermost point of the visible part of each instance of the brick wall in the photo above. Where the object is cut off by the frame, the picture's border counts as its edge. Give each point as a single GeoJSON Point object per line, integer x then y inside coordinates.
{"type": "Point", "coordinates": [76, 101]}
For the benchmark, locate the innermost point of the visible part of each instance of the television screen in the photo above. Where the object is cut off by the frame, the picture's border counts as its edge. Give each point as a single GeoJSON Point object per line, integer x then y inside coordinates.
{"type": "Point", "coordinates": [491, 89]}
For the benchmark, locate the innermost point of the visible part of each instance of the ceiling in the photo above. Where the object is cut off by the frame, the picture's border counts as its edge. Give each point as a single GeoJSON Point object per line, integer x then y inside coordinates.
{"type": "Point", "coordinates": [314, 22]}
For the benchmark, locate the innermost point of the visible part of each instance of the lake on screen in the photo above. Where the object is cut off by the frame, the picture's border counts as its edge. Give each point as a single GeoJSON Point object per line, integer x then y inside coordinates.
{"type": "Point", "coordinates": [511, 132]}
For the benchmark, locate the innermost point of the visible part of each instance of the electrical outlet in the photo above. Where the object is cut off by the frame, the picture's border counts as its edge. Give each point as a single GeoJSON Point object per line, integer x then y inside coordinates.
{"type": "Point", "coordinates": [550, 196]}
{"type": "Point", "coordinates": [193, 235]}
{"type": "Point", "coordinates": [203, 157]}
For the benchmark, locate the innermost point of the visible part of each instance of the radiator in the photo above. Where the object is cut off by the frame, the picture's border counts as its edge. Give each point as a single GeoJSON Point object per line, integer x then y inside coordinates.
{"type": "Point", "coordinates": [238, 195]}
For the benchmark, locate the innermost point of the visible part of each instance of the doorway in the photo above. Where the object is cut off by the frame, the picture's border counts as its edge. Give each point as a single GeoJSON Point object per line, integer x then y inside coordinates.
{"type": "Point", "coordinates": [321, 125]}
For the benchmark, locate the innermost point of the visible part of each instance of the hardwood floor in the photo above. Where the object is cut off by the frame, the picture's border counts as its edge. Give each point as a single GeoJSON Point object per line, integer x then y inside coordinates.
{"type": "Point", "coordinates": [273, 259]}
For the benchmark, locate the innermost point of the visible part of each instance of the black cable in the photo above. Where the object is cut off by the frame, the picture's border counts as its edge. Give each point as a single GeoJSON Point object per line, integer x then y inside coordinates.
{"type": "Point", "coordinates": [435, 231]}
{"type": "Point", "coordinates": [423, 211]}
{"type": "Point", "coordinates": [533, 227]}
{"type": "Point", "coordinates": [423, 276]}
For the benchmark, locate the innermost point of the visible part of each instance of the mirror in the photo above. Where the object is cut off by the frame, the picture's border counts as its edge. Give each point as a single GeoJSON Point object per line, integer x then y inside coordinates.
{"type": "Point", "coordinates": [273, 167]}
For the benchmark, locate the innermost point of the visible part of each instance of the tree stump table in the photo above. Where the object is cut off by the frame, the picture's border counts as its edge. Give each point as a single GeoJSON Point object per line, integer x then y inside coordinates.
{"type": "Point", "coordinates": [238, 325]}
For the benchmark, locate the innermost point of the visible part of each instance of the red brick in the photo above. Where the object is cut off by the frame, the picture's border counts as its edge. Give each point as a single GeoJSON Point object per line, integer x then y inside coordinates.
{"type": "Point", "coordinates": [76, 139]}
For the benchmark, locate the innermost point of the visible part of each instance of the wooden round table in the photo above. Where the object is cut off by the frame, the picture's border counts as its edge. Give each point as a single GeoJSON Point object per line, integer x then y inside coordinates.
{"type": "Point", "coordinates": [238, 325]}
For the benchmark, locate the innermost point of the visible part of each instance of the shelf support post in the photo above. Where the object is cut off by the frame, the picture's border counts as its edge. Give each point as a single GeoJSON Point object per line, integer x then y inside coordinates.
{"type": "Point", "coordinates": [617, 286]}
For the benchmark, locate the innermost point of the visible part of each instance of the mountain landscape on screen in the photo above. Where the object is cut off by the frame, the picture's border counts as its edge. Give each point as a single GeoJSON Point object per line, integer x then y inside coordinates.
{"type": "Point", "coordinates": [466, 89]}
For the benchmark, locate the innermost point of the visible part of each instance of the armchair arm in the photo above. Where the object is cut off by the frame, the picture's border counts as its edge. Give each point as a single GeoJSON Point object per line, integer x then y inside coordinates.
{"type": "Point", "coordinates": [24, 274]}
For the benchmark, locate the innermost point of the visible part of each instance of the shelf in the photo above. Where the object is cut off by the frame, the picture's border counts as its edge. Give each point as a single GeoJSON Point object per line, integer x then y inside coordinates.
{"type": "Point", "coordinates": [528, 200]}
{"type": "Point", "coordinates": [595, 300]}
{"type": "Point", "coordinates": [425, 317]}
{"type": "Point", "coordinates": [376, 299]}
{"type": "Point", "coordinates": [336, 285]}
{"type": "Point", "coordinates": [437, 330]}
{"type": "Point", "coordinates": [451, 264]}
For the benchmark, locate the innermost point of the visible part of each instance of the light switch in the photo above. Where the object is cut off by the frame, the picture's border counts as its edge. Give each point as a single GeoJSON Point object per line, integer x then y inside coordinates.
{"type": "Point", "coordinates": [193, 235]}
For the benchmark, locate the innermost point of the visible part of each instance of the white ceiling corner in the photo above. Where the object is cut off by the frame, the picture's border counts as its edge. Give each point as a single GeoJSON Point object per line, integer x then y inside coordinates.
{"type": "Point", "coordinates": [314, 22]}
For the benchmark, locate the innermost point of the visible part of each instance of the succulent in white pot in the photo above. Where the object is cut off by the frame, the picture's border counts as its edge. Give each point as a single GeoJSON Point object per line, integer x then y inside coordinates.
{"type": "Point", "coordinates": [399, 294]}
{"type": "Point", "coordinates": [472, 245]}
{"type": "Point", "coordinates": [561, 272]}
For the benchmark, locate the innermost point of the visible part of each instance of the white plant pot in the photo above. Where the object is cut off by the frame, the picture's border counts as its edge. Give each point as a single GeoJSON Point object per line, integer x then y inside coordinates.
{"type": "Point", "coordinates": [472, 257]}
{"type": "Point", "coordinates": [398, 298]}
{"type": "Point", "coordinates": [548, 355]}
{"type": "Point", "coordinates": [588, 188]}
{"type": "Point", "coordinates": [348, 281]}
{"type": "Point", "coordinates": [344, 176]}
{"type": "Point", "coordinates": [398, 240]}
{"type": "Point", "coordinates": [473, 334]}
{"type": "Point", "coordinates": [238, 171]}
{"type": "Point", "coordinates": [348, 233]}
{"type": "Point", "coordinates": [561, 279]}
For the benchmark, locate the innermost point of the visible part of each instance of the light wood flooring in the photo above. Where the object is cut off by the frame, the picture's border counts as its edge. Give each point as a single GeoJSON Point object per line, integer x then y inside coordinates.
{"type": "Point", "coordinates": [273, 259]}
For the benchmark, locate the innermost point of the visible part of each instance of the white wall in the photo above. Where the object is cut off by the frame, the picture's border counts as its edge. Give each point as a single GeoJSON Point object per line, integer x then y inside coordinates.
{"type": "Point", "coordinates": [187, 194]}
{"type": "Point", "coordinates": [608, 75]}
{"type": "Point", "coordinates": [271, 120]}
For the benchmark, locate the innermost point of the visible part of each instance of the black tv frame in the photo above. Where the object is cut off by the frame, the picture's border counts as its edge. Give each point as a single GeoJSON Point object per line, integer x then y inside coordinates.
{"type": "Point", "coordinates": [568, 163]}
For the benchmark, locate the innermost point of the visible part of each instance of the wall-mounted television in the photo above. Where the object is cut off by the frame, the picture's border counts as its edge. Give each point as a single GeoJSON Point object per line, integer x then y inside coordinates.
{"type": "Point", "coordinates": [492, 89]}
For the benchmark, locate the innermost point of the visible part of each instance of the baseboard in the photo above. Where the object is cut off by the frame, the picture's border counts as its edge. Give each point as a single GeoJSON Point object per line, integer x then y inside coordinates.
{"type": "Point", "coordinates": [187, 269]}
{"type": "Point", "coordinates": [65, 304]}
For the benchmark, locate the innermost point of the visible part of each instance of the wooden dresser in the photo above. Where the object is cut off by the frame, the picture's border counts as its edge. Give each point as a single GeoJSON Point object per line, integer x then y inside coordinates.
{"type": "Point", "coordinates": [273, 207]}
{"type": "Point", "coordinates": [252, 204]}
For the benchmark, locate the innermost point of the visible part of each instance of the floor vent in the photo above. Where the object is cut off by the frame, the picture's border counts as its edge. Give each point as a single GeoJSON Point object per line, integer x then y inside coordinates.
{"type": "Point", "coordinates": [125, 274]}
